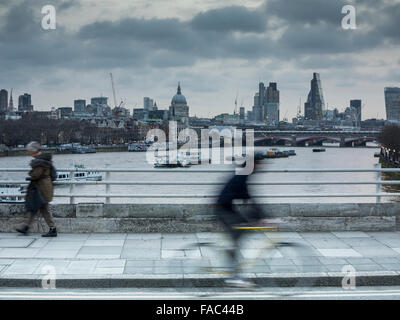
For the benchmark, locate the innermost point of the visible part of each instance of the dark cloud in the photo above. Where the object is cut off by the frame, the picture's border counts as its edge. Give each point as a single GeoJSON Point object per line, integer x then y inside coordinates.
{"type": "Point", "coordinates": [325, 39]}
{"type": "Point", "coordinates": [389, 22]}
{"type": "Point", "coordinates": [18, 24]}
{"type": "Point", "coordinates": [132, 28]}
{"type": "Point", "coordinates": [307, 11]}
{"type": "Point", "coordinates": [67, 4]}
{"type": "Point", "coordinates": [311, 27]}
{"type": "Point", "coordinates": [311, 36]}
{"type": "Point", "coordinates": [228, 19]}
{"type": "Point", "coordinates": [319, 62]}
{"type": "Point", "coordinates": [175, 36]}
{"type": "Point", "coordinates": [5, 3]}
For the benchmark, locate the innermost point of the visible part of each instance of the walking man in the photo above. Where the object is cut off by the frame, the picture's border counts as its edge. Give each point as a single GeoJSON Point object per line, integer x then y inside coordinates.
{"type": "Point", "coordinates": [40, 176]}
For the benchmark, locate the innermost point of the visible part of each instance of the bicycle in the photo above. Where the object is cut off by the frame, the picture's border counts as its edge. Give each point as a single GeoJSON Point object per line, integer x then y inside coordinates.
{"type": "Point", "coordinates": [265, 258]}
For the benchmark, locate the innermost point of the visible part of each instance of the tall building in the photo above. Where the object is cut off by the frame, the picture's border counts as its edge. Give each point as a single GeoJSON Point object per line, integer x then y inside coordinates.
{"type": "Point", "coordinates": [25, 102]}
{"type": "Point", "coordinates": [392, 102]}
{"type": "Point", "coordinates": [272, 93]}
{"type": "Point", "coordinates": [242, 115]}
{"type": "Point", "coordinates": [11, 105]}
{"type": "Point", "coordinates": [148, 104]}
{"type": "Point", "coordinates": [3, 100]}
{"type": "Point", "coordinates": [315, 104]}
{"type": "Point", "coordinates": [64, 112]}
{"type": "Point", "coordinates": [102, 101]}
{"type": "Point", "coordinates": [80, 106]}
{"type": "Point", "coordinates": [271, 105]}
{"type": "Point", "coordinates": [99, 107]}
{"type": "Point", "coordinates": [258, 108]}
{"type": "Point", "coordinates": [179, 110]}
{"type": "Point", "coordinates": [271, 111]}
{"type": "Point", "coordinates": [256, 112]}
{"type": "Point", "coordinates": [250, 116]}
{"type": "Point", "coordinates": [266, 103]}
{"type": "Point", "coordinates": [139, 114]}
{"type": "Point", "coordinates": [259, 111]}
{"type": "Point", "coordinates": [355, 105]}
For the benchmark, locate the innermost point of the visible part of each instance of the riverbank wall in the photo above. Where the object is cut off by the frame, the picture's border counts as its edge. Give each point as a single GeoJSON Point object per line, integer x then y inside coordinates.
{"type": "Point", "coordinates": [22, 152]}
{"type": "Point", "coordinates": [116, 218]}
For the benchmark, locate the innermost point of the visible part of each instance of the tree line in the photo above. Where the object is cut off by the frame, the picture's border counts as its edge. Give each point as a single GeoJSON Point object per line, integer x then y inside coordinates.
{"type": "Point", "coordinates": [389, 137]}
{"type": "Point", "coordinates": [35, 127]}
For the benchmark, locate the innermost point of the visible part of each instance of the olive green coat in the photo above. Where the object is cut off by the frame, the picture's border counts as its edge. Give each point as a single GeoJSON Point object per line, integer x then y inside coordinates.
{"type": "Point", "coordinates": [41, 174]}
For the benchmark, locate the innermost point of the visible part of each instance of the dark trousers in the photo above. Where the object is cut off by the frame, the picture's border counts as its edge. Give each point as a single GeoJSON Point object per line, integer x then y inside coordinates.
{"type": "Point", "coordinates": [231, 218]}
{"type": "Point", "coordinates": [44, 211]}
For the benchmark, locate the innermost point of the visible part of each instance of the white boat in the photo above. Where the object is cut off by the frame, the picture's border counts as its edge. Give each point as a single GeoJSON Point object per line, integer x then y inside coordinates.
{"type": "Point", "coordinates": [79, 175]}
{"type": "Point", "coordinates": [163, 161]}
{"type": "Point", "coordinates": [12, 193]}
{"type": "Point", "coordinates": [138, 147]}
{"type": "Point", "coordinates": [194, 157]}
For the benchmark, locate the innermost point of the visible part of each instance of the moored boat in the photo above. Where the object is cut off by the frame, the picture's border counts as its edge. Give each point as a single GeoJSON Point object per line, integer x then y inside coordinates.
{"type": "Point", "coordinates": [12, 193]}
{"type": "Point", "coordinates": [82, 150]}
{"type": "Point", "coordinates": [138, 147]}
{"type": "Point", "coordinates": [273, 153]}
{"type": "Point", "coordinates": [166, 162]}
{"type": "Point", "coordinates": [79, 175]}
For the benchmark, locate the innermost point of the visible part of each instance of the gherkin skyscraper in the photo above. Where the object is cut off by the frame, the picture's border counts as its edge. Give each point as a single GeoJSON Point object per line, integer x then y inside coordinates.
{"type": "Point", "coordinates": [315, 105]}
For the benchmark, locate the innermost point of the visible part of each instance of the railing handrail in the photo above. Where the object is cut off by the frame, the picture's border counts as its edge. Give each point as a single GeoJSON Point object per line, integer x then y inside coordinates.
{"type": "Point", "coordinates": [183, 170]}
{"type": "Point", "coordinates": [108, 182]}
{"type": "Point", "coordinates": [270, 195]}
{"type": "Point", "coordinates": [206, 183]}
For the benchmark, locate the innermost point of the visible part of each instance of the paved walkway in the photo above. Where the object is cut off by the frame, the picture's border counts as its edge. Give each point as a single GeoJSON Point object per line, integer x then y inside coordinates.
{"type": "Point", "coordinates": [160, 256]}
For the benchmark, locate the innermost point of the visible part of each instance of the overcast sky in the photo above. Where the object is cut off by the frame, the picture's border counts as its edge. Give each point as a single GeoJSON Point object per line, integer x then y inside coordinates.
{"type": "Point", "coordinates": [216, 49]}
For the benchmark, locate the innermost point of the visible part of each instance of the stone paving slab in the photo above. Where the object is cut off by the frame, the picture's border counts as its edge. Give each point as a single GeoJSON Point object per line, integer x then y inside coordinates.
{"type": "Point", "coordinates": [15, 243]}
{"type": "Point", "coordinates": [353, 234]}
{"type": "Point", "coordinates": [159, 257]}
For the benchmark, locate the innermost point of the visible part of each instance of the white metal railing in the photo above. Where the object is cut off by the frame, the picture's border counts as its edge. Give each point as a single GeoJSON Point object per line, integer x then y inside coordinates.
{"type": "Point", "coordinates": [378, 182]}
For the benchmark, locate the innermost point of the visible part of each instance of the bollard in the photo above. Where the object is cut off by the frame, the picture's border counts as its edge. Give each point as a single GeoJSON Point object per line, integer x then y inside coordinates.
{"type": "Point", "coordinates": [72, 187]}
{"type": "Point", "coordinates": [378, 185]}
{"type": "Point", "coordinates": [108, 174]}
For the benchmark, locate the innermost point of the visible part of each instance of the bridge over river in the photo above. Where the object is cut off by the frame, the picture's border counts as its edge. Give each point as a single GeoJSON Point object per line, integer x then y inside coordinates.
{"type": "Point", "coordinates": [314, 138]}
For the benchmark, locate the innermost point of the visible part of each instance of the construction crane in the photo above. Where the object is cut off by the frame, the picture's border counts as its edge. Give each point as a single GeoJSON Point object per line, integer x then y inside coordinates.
{"type": "Point", "coordinates": [236, 110]}
{"type": "Point", "coordinates": [117, 108]}
{"type": "Point", "coordinates": [285, 117]}
{"type": "Point", "coordinates": [299, 110]}
{"type": "Point", "coordinates": [113, 89]}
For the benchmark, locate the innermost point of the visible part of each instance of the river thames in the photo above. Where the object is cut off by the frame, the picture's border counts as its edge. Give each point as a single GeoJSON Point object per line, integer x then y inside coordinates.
{"type": "Point", "coordinates": [350, 158]}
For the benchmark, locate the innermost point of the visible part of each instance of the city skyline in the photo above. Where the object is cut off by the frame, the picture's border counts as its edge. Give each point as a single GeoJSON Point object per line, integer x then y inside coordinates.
{"type": "Point", "coordinates": [250, 112]}
{"type": "Point", "coordinates": [216, 50]}
{"type": "Point", "coordinates": [271, 99]}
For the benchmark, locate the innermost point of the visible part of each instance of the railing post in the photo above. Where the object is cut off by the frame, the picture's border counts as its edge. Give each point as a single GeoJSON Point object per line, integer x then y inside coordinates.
{"type": "Point", "coordinates": [107, 185]}
{"type": "Point", "coordinates": [378, 185]}
{"type": "Point", "coordinates": [72, 187]}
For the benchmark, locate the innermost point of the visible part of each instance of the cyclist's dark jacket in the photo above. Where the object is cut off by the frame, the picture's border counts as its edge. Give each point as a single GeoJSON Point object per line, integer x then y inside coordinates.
{"type": "Point", "coordinates": [236, 188]}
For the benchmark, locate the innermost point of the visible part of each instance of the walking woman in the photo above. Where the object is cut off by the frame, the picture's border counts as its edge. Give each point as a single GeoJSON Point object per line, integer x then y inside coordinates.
{"type": "Point", "coordinates": [40, 177]}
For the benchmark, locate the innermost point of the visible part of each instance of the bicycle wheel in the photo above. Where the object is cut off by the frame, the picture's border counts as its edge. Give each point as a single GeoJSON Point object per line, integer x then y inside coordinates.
{"type": "Point", "coordinates": [198, 265]}
{"type": "Point", "coordinates": [300, 267]}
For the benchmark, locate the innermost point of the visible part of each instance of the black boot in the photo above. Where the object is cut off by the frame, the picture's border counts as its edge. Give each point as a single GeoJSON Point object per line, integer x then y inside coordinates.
{"type": "Point", "coordinates": [52, 233]}
{"type": "Point", "coordinates": [23, 230]}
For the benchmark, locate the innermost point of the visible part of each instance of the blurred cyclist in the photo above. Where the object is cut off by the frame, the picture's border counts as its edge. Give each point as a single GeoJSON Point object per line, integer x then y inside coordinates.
{"type": "Point", "coordinates": [236, 188]}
